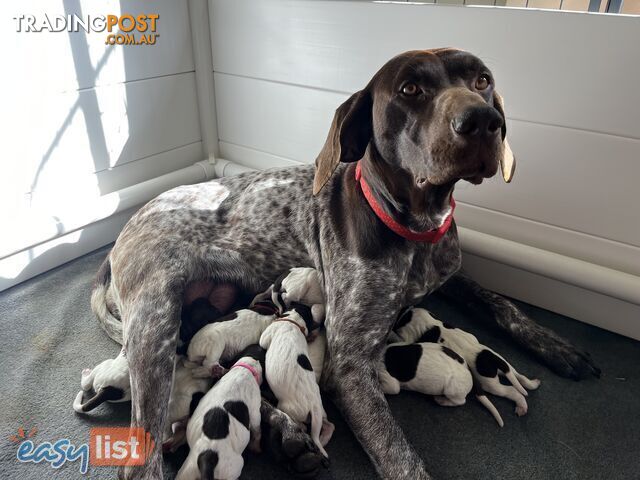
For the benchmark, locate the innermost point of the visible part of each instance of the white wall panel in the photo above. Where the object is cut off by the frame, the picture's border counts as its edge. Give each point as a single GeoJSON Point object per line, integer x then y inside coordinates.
{"type": "Point", "coordinates": [586, 305]}
{"type": "Point", "coordinates": [559, 68]}
{"type": "Point", "coordinates": [82, 119]}
{"type": "Point", "coordinates": [74, 134]}
{"type": "Point", "coordinates": [284, 120]}
{"type": "Point", "coordinates": [569, 178]}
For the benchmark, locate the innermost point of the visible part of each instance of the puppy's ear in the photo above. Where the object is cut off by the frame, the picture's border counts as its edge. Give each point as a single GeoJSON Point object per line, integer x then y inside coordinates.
{"type": "Point", "coordinates": [507, 160]}
{"type": "Point", "coordinates": [348, 137]}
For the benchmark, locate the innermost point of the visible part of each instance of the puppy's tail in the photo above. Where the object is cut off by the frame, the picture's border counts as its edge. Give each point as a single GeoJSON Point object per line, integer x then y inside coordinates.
{"type": "Point", "coordinates": [99, 296]}
{"type": "Point", "coordinates": [482, 398]}
{"type": "Point", "coordinates": [316, 429]}
{"type": "Point", "coordinates": [491, 407]}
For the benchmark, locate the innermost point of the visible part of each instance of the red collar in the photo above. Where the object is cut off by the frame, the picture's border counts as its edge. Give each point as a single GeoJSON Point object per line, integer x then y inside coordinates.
{"type": "Point", "coordinates": [285, 319]}
{"type": "Point", "coordinates": [431, 236]}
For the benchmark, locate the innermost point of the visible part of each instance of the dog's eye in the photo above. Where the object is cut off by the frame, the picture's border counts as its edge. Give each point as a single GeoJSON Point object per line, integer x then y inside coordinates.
{"type": "Point", "coordinates": [410, 89]}
{"type": "Point", "coordinates": [483, 82]}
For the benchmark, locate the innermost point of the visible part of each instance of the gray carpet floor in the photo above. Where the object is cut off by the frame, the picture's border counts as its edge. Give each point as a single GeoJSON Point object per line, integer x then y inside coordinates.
{"type": "Point", "coordinates": [574, 430]}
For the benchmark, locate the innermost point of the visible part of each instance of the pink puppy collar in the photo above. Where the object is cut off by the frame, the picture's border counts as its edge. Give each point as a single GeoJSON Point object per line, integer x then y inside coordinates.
{"type": "Point", "coordinates": [253, 371]}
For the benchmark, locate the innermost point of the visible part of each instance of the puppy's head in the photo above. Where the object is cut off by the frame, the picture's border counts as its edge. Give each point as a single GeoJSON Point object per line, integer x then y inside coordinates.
{"type": "Point", "coordinates": [433, 115]}
{"type": "Point", "coordinates": [256, 352]}
{"type": "Point", "coordinates": [305, 314]}
{"type": "Point", "coordinates": [255, 364]}
{"type": "Point", "coordinates": [278, 292]}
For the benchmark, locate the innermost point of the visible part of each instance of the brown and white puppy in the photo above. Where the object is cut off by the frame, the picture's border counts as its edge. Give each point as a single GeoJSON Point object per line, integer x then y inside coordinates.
{"type": "Point", "coordinates": [426, 368]}
{"type": "Point", "coordinates": [487, 366]}
{"type": "Point", "coordinates": [431, 369]}
{"type": "Point", "coordinates": [289, 373]}
{"type": "Point", "coordinates": [300, 285]}
{"type": "Point", "coordinates": [224, 422]}
{"type": "Point", "coordinates": [223, 340]}
{"type": "Point", "coordinates": [186, 393]}
{"type": "Point", "coordinates": [108, 382]}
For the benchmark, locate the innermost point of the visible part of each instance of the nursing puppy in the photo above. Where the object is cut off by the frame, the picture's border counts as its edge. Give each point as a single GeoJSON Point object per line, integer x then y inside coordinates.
{"type": "Point", "coordinates": [186, 393]}
{"type": "Point", "coordinates": [299, 285]}
{"type": "Point", "coordinates": [109, 381]}
{"type": "Point", "coordinates": [418, 325]}
{"type": "Point", "coordinates": [223, 340]}
{"type": "Point", "coordinates": [290, 375]}
{"type": "Point", "coordinates": [224, 422]}
{"type": "Point", "coordinates": [431, 369]}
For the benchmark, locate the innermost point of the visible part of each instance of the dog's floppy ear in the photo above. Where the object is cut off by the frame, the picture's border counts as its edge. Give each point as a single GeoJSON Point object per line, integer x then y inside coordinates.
{"type": "Point", "coordinates": [350, 132]}
{"type": "Point", "coordinates": [507, 160]}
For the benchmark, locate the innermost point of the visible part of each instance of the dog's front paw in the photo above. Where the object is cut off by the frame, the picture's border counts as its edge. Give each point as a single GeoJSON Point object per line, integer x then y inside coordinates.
{"type": "Point", "coordinates": [291, 445]}
{"type": "Point", "coordinates": [302, 455]}
{"type": "Point", "coordinates": [563, 358]}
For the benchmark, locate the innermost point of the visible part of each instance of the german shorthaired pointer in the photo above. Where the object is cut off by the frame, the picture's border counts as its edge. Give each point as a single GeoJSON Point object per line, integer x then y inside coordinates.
{"type": "Point", "coordinates": [374, 217]}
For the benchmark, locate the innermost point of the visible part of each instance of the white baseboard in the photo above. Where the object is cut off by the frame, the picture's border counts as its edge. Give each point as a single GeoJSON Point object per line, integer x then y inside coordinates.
{"type": "Point", "coordinates": [38, 259]}
{"type": "Point", "coordinates": [67, 233]}
{"type": "Point", "coordinates": [585, 305]}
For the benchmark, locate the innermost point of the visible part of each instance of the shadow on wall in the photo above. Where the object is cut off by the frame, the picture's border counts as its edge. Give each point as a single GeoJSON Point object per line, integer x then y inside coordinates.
{"type": "Point", "coordinates": [63, 185]}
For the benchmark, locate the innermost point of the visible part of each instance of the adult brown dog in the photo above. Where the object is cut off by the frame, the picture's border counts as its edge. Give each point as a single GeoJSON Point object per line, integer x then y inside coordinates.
{"type": "Point", "coordinates": [425, 121]}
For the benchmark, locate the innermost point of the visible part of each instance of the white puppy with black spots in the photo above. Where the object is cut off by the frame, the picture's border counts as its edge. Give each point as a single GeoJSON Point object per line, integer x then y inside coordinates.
{"type": "Point", "coordinates": [223, 340]}
{"type": "Point", "coordinates": [431, 369]}
{"type": "Point", "coordinates": [108, 381]}
{"type": "Point", "coordinates": [186, 393]}
{"type": "Point", "coordinates": [426, 368]}
{"type": "Point", "coordinates": [418, 325]}
{"type": "Point", "coordinates": [300, 285]}
{"type": "Point", "coordinates": [225, 421]}
{"type": "Point", "coordinates": [289, 373]}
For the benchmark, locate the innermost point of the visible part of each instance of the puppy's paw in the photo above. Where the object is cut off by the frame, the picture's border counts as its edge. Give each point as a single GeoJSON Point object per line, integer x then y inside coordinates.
{"type": "Point", "coordinates": [217, 371]}
{"type": "Point", "coordinates": [291, 445]}
{"type": "Point", "coordinates": [534, 383]}
{"type": "Point", "coordinates": [521, 410]}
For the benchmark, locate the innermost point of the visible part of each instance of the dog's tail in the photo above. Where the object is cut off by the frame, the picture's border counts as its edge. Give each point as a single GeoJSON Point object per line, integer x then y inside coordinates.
{"type": "Point", "coordinates": [99, 296]}
{"type": "Point", "coordinates": [316, 429]}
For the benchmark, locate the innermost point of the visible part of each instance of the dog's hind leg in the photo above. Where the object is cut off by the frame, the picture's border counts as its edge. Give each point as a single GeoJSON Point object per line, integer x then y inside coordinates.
{"type": "Point", "coordinates": [562, 357]}
{"type": "Point", "coordinates": [151, 327]}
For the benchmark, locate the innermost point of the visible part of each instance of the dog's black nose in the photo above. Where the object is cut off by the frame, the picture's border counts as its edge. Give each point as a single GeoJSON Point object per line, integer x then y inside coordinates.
{"type": "Point", "coordinates": [481, 120]}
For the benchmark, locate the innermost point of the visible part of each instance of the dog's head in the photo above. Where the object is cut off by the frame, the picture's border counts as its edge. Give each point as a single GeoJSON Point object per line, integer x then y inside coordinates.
{"type": "Point", "coordinates": [433, 115]}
